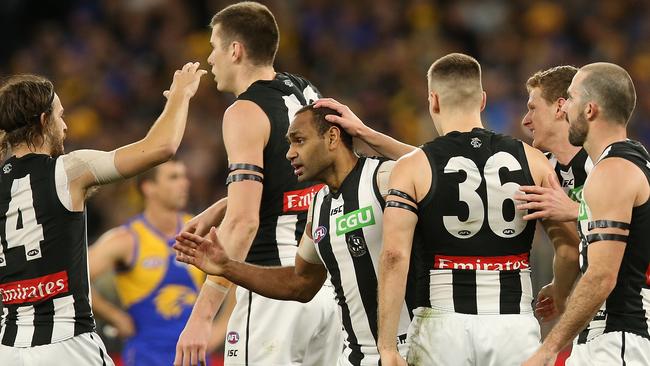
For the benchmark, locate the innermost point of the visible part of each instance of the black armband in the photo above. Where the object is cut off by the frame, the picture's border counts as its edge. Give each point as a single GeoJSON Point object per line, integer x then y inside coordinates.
{"type": "Point", "coordinates": [592, 238]}
{"type": "Point", "coordinates": [398, 193]}
{"type": "Point", "coordinates": [402, 205]}
{"type": "Point", "coordinates": [245, 166]}
{"type": "Point", "coordinates": [602, 224]}
{"type": "Point", "coordinates": [242, 177]}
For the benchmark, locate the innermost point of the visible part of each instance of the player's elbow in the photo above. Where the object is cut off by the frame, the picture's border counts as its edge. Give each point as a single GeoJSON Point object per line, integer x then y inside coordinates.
{"type": "Point", "coordinates": [392, 258]}
{"type": "Point", "coordinates": [605, 280]}
{"type": "Point", "coordinates": [244, 224]}
{"type": "Point", "coordinates": [304, 296]}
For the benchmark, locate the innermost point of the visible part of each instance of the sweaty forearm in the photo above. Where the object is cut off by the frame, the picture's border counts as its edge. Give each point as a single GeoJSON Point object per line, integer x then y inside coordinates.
{"type": "Point", "coordinates": [587, 298]}
{"type": "Point", "coordinates": [392, 288]}
{"type": "Point", "coordinates": [384, 144]}
{"type": "Point", "coordinates": [566, 268]}
{"type": "Point", "coordinates": [281, 283]}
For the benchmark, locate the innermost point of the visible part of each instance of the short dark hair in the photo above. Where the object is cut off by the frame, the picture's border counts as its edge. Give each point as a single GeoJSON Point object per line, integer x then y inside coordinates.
{"type": "Point", "coordinates": [457, 79]}
{"type": "Point", "coordinates": [322, 125]}
{"type": "Point", "coordinates": [552, 82]}
{"type": "Point", "coordinates": [23, 98]}
{"type": "Point", "coordinates": [612, 88]}
{"type": "Point", "coordinates": [254, 25]}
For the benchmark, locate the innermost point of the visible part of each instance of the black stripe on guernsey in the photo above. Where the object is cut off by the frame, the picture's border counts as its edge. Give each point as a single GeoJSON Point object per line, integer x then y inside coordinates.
{"type": "Point", "coordinates": [582, 337]}
{"type": "Point", "coordinates": [364, 269]}
{"type": "Point", "coordinates": [101, 351]}
{"type": "Point", "coordinates": [43, 314]}
{"type": "Point", "coordinates": [375, 187]}
{"type": "Point", "coordinates": [603, 224]}
{"type": "Point", "coordinates": [464, 289]}
{"type": "Point", "coordinates": [11, 329]}
{"type": "Point", "coordinates": [325, 248]}
{"type": "Point", "coordinates": [244, 166]}
{"type": "Point", "coordinates": [398, 193]}
{"type": "Point", "coordinates": [591, 238]}
{"type": "Point", "coordinates": [242, 177]}
{"type": "Point", "coordinates": [300, 226]}
{"type": "Point", "coordinates": [623, 347]}
{"type": "Point", "coordinates": [248, 325]}
{"type": "Point", "coordinates": [402, 205]}
{"type": "Point", "coordinates": [510, 292]}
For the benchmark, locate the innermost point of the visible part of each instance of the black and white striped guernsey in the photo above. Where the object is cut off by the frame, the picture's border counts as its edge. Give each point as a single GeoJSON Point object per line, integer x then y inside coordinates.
{"type": "Point", "coordinates": [285, 201]}
{"type": "Point", "coordinates": [573, 175]}
{"type": "Point", "coordinates": [627, 308]}
{"type": "Point", "coordinates": [347, 232]}
{"type": "Point", "coordinates": [473, 246]}
{"type": "Point", "coordinates": [43, 257]}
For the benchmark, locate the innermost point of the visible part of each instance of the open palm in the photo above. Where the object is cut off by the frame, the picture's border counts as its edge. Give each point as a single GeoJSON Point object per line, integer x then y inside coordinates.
{"type": "Point", "coordinates": [206, 254]}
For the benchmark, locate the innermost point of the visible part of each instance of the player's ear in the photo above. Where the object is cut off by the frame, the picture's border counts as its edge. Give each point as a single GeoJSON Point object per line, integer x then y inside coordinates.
{"type": "Point", "coordinates": [483, 100]}
{"type": "Point", "coordinates": [559, 113]}
{"type": "Point", "coordinates": [334, 134]}
{"type": "Point", "coordinates": [237, 51]}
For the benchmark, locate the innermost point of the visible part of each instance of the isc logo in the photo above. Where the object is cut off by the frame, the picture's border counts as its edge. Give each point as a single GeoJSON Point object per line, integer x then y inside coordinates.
{"type": "Point", "coordinates": [355, 220]}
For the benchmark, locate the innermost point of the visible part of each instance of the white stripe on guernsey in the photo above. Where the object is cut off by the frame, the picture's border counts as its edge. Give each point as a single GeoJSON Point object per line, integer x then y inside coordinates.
{"type": "Point", "coordinates": [488, 292]}
{"type": "Point", "coordinates": [25, 325]}
{"type": "Point", "coordinates": [285, 236]}
{"type": "Point", "coordinates": [589, 165]}
{"type": "Point", "coordinates": [552, 160]}
{"type": "Point", "coordinates": [374, 233]}
{"type": "Point", "coordinates": [349, 284]}
{"type": "Point", "coordinates": [604, 154]}
{"type": "Point", "coordinates": [63, 318]}
{"type": "Point", "coordinates": [525, 306]}
{"type": "Point", "coordinates": [645, 298]}
{"type": "Point", "coordinates": [5, 312]}
{"type": "Point", "coordinates": [441, 289]}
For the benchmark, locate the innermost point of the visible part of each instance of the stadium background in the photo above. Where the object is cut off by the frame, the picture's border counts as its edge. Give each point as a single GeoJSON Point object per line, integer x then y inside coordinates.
{"type": "Point", "coordinates": [110, 60]}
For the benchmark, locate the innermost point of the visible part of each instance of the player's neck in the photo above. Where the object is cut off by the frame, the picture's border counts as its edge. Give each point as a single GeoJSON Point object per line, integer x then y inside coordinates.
{"type": "Point", "coordinates": [601, 136]}
{"type": "Point", "coordinates": [460, 121]}
{"type": "Point", "coordinates": [163, 219]}
{"type": "Point", "coordinates": [563, 151]}
{"type": "Point", "coordinates": [23, 149]}
{"type": "Point", "coordinates": [340, 170]}
{"type": "Point", "coordinates": [249, 75]}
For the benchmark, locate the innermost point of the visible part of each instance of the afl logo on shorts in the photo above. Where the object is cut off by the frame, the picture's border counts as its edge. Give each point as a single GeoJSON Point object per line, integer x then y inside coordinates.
{"type": "Point", "coordinates": [232, 337]}
{"type": "Point", "coordinates": [319, 234]}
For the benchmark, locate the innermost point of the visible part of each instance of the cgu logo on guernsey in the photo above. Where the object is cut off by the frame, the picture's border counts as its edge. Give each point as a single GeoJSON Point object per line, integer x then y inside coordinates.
{"type": "Point", "coordinates": [498, 263]}
{"type": "Point", "coordinates": [34, 289]}
{"type": "Point", "coordinates": [355, 220]}
{"type": "Point", "coordinates": [299, 200]}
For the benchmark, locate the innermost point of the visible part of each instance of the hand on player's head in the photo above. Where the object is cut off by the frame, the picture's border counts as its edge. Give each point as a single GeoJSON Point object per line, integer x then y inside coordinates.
{"type": "Point", "coordinates": [186, 80]}
{"type": "Point", "coordinates": [348, 120]}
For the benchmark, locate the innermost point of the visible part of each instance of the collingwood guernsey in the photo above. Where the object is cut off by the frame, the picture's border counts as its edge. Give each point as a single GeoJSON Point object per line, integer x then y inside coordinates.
{"type": "Point", "coordinates": [285, 201]}
{"type": "Point", "coordinates": [627, 309]}
{"type": "Point", "coordinates": [474, 245]}
{"type": "Point", "coordinates": [43, 256]}
{"type": "Point", "coordinates": [573, 175]}
{"type": "Point", "coordinates": [347, 233]}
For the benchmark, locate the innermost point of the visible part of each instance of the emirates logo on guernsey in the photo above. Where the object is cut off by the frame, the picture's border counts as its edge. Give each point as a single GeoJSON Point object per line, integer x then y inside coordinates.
{"type": "Point", "coordinates": [34, 289]}
{"type": "Point", "coordinates": [497, 263]}
{"type": "Point", "coordinates": [299, 200]}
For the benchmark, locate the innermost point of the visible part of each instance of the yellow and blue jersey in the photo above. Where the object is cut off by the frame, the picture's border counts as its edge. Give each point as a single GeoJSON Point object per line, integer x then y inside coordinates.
{"type": "Point", "coordinates": [158, 292]}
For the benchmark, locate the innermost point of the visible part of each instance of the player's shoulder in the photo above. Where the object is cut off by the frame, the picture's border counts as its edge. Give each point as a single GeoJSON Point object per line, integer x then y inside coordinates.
{"type": "Point", "coordinates": [245, 115]}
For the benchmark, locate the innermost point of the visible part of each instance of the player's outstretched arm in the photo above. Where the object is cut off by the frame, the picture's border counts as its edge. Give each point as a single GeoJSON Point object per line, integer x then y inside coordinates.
{"type": "Point", "coordinates": [111, 249]}
{"type": "Point", "coordinates": [211, 216]}
{"type": "Point", "coordinates": [607, 199]}
{"type": "Point", "coordinates": [383, 144]}
{"type": "Point", "coordinates": [400, 218]}
{"type": "Point", "coordinates": [299, 283]}
{"type": "Point", "coordinates": [246, 130]}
